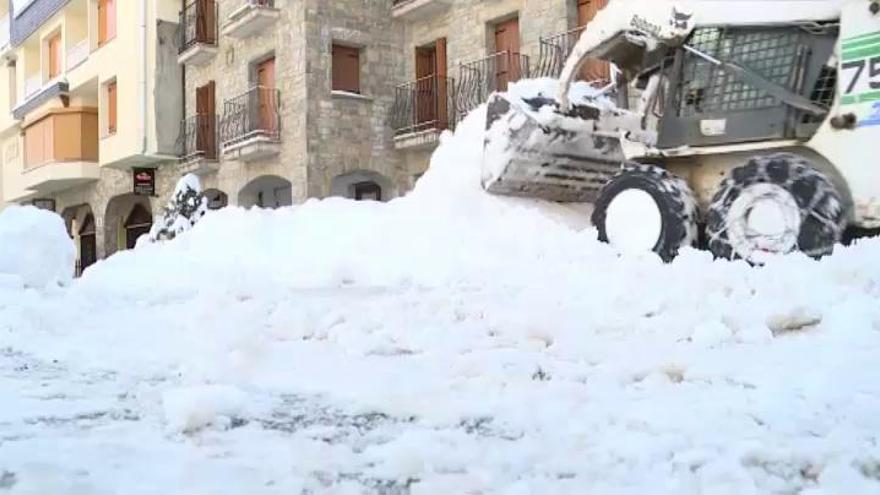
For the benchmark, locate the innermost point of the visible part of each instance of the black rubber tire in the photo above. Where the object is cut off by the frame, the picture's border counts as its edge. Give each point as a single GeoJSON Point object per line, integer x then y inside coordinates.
{"type": "Point", "coordinates": [823, 216]}
{"type": "Point", "coordinates": [673, 196]}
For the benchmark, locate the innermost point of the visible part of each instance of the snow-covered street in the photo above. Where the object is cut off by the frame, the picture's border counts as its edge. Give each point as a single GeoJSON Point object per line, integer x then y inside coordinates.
{"type": "Point", "coordinates": [445, 342]}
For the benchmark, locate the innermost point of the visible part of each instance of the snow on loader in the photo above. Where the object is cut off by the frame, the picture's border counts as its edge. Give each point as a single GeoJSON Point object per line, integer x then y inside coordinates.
{"type": "Point", "coordinates": [756, 131]}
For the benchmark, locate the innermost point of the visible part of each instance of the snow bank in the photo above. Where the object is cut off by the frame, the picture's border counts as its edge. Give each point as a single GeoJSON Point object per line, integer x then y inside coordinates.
{"type": "Point", "coordinates": [35, 249]}
{"type": "Point", "coordinates": [445, 342]}
{"type": "Point", "coordinates": [447, 231]}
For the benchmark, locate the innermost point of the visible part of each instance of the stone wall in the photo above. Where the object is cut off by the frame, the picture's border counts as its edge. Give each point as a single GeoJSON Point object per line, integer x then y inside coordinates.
{"type": "Point", "coordinates": [348, 133]}
{"type": "Point", "coordinates": [115, 184]}
{"type": "Point", "coordinates": [467, 26]}
{"type": "Point", "coordinates": [231, 71]}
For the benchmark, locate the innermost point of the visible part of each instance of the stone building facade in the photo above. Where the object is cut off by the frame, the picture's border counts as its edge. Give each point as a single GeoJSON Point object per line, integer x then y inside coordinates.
{"type": "Point", "coordinates": [270, 102]}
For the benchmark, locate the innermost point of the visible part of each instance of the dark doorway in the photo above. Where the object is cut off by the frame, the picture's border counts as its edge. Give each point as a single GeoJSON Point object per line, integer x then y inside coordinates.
{"type": "Point", "coordinates": [138, 223]}
{"type": "Point", "coordinates": [367, 191]}
{"type": "Point", "coordinates": [88, 243]}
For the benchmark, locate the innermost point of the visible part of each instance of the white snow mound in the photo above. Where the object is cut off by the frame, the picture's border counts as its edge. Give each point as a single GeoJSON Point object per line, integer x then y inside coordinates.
{"type": "Point", "coordinates": [34, 248]}
{"type": "Point", "coordinates": [188, 409]}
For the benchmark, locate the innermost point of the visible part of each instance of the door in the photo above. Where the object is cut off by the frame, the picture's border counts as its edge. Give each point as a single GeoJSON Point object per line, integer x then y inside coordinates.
{"type": "Point", "coordinates": [206, 135]}
{"type": "Point", "coordinates": [205, 21]}
{"type": "Point", "coordinates": [266, 96]}
{"type": "Point", "coordinates": [508, 67]}
{"type": "Point", "coordinates": [592, 70]}
{"type": "Point", "coordinates": [426, 70]}
{"type": "Point", "coordinates": [431, 87]}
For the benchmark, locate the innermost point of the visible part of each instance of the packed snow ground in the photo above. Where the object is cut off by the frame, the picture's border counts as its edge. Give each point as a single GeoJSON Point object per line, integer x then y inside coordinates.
{"type": "Point", "coordinates": [446, 342]}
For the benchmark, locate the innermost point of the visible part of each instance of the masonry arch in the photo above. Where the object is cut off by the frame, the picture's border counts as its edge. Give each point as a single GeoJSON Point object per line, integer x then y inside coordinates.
{"type": "Point", "coordinates": [81, 227]}
{"type": "Point", "coordinates": [216, 199]}
{"type": "Point", "coordinates": [128, 217]}
{"type": "Point", "coordinates": [363, 185]}
{"type": "Point", "coordinates": [266, 191]}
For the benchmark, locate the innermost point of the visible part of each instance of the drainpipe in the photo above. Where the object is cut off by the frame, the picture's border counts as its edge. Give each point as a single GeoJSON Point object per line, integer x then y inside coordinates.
{"type": "Point", "coordinates": [142, 83]}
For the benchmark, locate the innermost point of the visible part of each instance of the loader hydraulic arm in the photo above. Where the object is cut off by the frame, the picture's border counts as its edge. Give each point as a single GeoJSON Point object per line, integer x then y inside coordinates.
{"type": "Point", "coordinates": [660, 21]}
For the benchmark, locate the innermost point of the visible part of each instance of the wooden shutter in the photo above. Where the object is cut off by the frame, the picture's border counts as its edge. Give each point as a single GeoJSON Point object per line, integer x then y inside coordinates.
{"type": "Point", "coordinates": [206, 141]}
{"type": "Point", "coordinates": [54, 49]}
{"type": "Point", "coordinates": [346, 69]}
{"type": "Point", "coordinates": [106, 20]}
{"type": "Point", "coordinates": [507, 64]}
{"type": "Point", "coordinates": [442, 86]}
{"type": "Point", "coordinates": [111, 108]}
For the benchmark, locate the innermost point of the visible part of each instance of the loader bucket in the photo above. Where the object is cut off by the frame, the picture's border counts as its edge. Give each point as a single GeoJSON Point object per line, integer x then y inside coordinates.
{"type": "Point", "coordinates": [534, 151]}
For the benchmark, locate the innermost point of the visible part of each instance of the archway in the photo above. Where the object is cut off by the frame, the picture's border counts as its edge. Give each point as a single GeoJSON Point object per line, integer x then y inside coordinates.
{"type": "Point", "coordinates": [138, 223]}
{"type": "Point", "coordinates": [363, 185]}
{"type": "Point", "coordinates": [216, 199]}
{"type": "Point", "coordinates": [80, 222]}
{"type": "Point", "coordinates": [127, 217]}
{"type": "Point", "coordinates": [267, 191]}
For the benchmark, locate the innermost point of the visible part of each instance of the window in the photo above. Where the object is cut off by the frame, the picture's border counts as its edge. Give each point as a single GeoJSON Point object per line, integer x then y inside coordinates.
{"type": "Point", "coordinates": [106, 21]}
{"type": "Point", "coordinates": [53, 46]}
{"type": "Point", "coordinates": [111, 108]}
{"type": "Point", "coordinates": [346, 69]}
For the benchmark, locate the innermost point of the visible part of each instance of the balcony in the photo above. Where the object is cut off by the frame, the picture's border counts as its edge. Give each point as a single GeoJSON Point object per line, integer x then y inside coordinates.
{"type": "Point", "coordinates": [555, 50]}
{"type": "Point", "coordinates": [77, 54]}
{"type": "Point", "coordinates": [198, 32]}
{"type": "Point", "coordinates": [416, 10]}
{"type": "Point", "coordinates": [251, 125]}
{"type": "Point", "coordinates": [61, 150]}
{"type": "Point", "coordinates": [480, 78]}
{"type": "Point", "coordinates": [252, 18]}
{"type": "Point", "coordinates": [198, 145]}
{"type": "Point", "coordinates": [422, 110]}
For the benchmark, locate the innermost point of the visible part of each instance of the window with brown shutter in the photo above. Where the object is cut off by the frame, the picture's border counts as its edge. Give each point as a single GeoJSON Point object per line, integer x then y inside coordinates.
{"type": "Point", "coordinates": [346, 69]}
{"type": "Point", "coordinates": [54, 49]}
{"type": "Point", "coordinates": [111, 108]}
{"type": "Point", "coordinates": [106, 21]}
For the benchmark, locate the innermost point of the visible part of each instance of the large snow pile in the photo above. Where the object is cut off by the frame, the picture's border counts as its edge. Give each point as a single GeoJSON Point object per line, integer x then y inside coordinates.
{"type": "Point", "coordinates": [35, 250]}
{"type": "Point", "coordinates": [446, 342]}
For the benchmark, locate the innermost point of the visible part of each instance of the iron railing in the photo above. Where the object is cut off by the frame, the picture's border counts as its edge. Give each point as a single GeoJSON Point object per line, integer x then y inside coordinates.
{"type": "Point", "coordinates": [478, 79]}
{"type": "Point", "coordinates": [198, 137]}
{"type": "Point", "coordinates": [554, 51]}
{"type": "Point", "coordinates": [198, 24]}
{"type": "Point", "coordinates": [253, 114]}
{"type": "Point", "coordinates": [424, 104]}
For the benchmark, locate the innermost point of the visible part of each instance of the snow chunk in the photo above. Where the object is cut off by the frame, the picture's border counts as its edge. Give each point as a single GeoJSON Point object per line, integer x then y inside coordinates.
{"type": "Point", "coordinates": [35, 247]}
{"type": "Point", "coordinates": [189, 409]}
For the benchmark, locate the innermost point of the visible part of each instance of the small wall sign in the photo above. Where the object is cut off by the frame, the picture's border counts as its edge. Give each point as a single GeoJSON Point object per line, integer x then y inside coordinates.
{"type": "Point", "coordinates": [144, 180]}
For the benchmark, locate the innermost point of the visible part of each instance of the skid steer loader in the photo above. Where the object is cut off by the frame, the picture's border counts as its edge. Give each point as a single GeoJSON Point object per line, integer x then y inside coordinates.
{"type": "Point", "coordinates": [756, 131]}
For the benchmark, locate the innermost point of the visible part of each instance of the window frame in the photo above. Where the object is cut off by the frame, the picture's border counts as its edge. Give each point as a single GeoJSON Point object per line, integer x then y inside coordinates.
{"type": "Point", "coordinates": [339, 82]}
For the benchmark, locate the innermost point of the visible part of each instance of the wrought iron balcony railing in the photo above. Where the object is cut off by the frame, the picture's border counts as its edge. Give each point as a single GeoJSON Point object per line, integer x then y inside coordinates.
{"type": "Point", "coordinates": [424, 104]}
{"type": "Point", "coordinates": [478, 79]}
{"type": "Point", "coordinates": [198, 137]}
{"type": "Point", "coordinates": [554, 50]}
{"type": "Point", "coordinates": [198, 24]}
{"type": "Point", "coordinates": [253, 114]}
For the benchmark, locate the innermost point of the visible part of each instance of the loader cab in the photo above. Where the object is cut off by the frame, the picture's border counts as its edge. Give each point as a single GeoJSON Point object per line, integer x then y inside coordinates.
{"type": "Point", "coordinates": [702, 104]}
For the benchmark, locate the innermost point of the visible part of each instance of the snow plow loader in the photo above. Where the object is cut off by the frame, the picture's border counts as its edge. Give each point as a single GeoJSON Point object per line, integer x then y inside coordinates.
{"type": "Point", "coordinates": [754, 131]}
